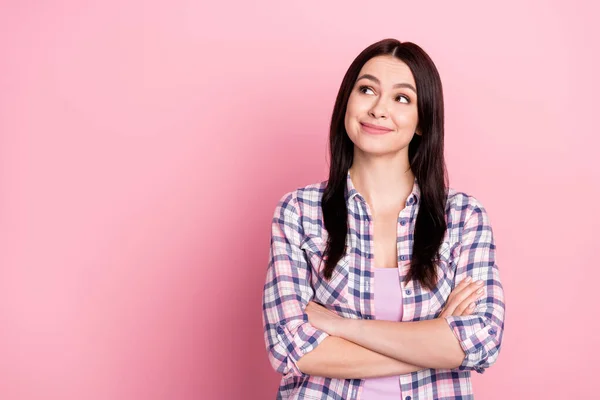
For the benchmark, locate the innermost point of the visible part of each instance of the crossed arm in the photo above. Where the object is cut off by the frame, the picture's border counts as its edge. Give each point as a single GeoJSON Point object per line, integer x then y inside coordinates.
{"type": "Point", "coordinates": [365, 348]}
{"type": "Point", "coordinates": [339, 358]}
{"type": "Point", "coordinates": [432, 343]}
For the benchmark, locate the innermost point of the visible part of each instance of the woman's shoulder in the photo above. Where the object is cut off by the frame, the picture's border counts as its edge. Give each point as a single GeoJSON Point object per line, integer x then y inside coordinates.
{"type": "Point", "coordinates": [310, 196]}
{"type": "Point", "coordinates": [304, 196]}
{"type": "Point", "coordinates": [462, 206]}
{"type": "Point", "coordinates": [304, 202]}
{"type": "Point", "coordinates": [460, 200]}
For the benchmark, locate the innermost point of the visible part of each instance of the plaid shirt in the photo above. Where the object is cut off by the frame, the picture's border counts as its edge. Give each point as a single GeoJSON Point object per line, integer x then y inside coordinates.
{"type": "Point", "coordinates": [298, 239]}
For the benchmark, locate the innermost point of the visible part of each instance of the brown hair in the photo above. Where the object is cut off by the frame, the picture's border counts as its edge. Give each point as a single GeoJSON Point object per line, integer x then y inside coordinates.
{"type": "Point", "coordinates": [426, 157]}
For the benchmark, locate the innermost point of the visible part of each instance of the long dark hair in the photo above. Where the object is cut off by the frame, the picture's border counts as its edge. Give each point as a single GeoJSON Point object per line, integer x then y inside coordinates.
{"type": "Point", "coordinates": [426, 157]}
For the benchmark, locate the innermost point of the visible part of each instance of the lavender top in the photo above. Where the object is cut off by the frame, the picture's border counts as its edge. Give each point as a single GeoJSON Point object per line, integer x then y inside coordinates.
{"type": "Point", "coordinates": [388, 306]}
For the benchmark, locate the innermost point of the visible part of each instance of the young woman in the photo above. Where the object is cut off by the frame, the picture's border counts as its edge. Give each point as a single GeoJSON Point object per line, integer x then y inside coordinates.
{"type": "Point", "coordinates": [382, 281]}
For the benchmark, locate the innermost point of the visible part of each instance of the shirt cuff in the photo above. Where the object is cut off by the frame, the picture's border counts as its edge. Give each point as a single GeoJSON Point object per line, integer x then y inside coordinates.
{"type": "Point", "coordinates": [478, 339]}
{"type": "Point", "coordinates": [298, 338]}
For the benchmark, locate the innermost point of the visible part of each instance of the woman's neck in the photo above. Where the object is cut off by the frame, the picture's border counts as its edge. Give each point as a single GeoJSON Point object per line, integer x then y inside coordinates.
{"type": "Point", "coordinates": [384, 186]}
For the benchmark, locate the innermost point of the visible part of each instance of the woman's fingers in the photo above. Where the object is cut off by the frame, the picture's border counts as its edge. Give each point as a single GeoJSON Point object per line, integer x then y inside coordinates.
{"type": "Point", "coordinates": [450, 304]}
{"type": "Point", "coordinates": [467, 306]}
{"type": "Point", "coordinates": [458, 288]}
{"type": "Point", "coordinates": [461, 294]}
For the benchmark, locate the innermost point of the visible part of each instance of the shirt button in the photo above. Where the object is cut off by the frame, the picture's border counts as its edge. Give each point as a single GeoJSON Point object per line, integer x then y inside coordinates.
{"type": "Point", "coordinates": [403, 258]}
{"type": "Point", "coordinates": [279, 329]}
{"type": "Point", "coordinates": [403, 222]}
{"type": "Point", "coordinates": [492, 332]}
{"type": "Point", "coordinates": [408, 398]}
{"type": "Point", "coordinates": [408, 292]}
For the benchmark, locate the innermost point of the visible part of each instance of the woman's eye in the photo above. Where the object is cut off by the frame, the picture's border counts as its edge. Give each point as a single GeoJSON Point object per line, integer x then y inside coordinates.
{"type": "Point", "coordinates": [363, 88]}
{"type": "Point", "coordinates": [405, 98]}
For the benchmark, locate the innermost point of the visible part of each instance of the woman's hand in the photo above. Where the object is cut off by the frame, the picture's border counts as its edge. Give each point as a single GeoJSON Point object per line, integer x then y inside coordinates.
{"type": "Point", "coordinates": [322, 318]}
{"type": "Point", "coordinates": [462, 299]}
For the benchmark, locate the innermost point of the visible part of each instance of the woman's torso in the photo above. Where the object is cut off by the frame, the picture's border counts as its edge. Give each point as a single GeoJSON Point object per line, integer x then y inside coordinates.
{"type": "Point", "coordinates": [350, 293]}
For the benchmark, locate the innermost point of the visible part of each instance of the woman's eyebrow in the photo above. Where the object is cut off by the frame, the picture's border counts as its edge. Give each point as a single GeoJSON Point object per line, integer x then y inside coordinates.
{"type": "Point", "coordinates": [397, 85]}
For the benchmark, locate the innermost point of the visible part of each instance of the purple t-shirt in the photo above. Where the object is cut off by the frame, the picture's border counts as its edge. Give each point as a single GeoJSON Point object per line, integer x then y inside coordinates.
{"type": "Point", "coordinates": [388, 306]}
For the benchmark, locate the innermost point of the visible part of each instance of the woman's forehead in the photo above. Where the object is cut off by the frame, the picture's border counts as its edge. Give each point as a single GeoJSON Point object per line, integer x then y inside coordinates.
{"type": "Point", "coordinates": [388, 70]}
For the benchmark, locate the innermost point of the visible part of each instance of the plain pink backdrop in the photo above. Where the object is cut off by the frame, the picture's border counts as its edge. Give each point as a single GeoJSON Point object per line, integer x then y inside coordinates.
{"type": "Point", "coordinates": [144, 145]}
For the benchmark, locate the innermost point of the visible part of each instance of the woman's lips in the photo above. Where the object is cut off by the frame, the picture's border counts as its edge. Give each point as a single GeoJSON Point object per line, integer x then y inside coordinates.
{"type": "Point", "coordinates": [374, 130]}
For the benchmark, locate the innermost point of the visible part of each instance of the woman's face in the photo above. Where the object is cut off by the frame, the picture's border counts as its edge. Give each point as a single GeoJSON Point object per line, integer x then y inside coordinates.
{"type": "Point", "coordinates": [384, 95]}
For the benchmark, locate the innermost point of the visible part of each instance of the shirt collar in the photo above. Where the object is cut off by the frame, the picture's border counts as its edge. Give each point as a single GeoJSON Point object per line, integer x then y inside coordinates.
{"type": "Point", "coordinates": [350, 192]}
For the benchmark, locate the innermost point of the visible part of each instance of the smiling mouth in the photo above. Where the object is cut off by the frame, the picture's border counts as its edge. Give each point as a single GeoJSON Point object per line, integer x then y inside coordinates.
{"type": "Point", "coordinates": [373, 130]}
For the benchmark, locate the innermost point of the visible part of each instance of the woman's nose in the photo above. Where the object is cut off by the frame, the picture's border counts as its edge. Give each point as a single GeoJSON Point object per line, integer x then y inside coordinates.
{"type": "Point", "coordinates": [377, 113]}
{"type": "Point", "coordinates": [378, 110]}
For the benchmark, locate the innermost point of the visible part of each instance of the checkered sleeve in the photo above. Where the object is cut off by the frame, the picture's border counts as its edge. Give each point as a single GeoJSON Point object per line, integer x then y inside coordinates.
{"type": "Point", "coordinates": [480, 334]}
{"type": "Point", "coordinates": [287, 333]}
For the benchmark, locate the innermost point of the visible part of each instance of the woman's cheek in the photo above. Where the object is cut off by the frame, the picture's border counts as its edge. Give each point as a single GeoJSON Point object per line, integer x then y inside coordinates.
{"type": "Point", "coordinates": [404, 119]}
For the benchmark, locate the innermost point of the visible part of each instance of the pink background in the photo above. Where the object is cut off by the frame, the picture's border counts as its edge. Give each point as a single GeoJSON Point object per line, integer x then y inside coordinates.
{"type": "Point", "coordinates": [144, 145]}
